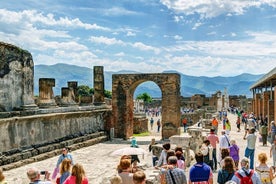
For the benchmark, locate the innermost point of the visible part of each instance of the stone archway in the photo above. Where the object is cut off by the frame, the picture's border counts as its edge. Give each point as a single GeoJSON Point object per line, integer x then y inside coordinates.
{"type": "Point", "coordinates": [123, 87]}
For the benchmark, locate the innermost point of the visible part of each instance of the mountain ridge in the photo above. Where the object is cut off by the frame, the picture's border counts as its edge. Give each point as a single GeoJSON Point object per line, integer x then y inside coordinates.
{"type": "Point", "coordinates": [190, 85]}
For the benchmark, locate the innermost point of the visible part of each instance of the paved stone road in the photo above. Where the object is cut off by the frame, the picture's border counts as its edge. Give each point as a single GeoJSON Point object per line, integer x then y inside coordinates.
{"type": "Point", "coordinates": [100, 166]}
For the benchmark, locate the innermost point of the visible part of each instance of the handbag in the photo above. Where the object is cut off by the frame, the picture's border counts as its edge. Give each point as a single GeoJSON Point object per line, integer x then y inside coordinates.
{"type": "Point", "coordinates": [56, 170]}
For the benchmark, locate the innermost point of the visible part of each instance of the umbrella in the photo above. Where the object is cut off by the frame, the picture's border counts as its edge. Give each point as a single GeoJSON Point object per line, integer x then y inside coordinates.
{"type": "Point", "coordinates": [129, 151]}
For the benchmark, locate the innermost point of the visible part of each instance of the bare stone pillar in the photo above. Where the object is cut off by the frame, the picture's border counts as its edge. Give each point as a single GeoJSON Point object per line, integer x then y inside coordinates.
{"type": "Point", "coordinates": [74, 86]}
{"type": "Point", "coordinates": [265, 103]}
{"type": "Point", "coordinates": [46, 94]}
{"type": "Point", "coordinates": [257, 100]}
{"type": "Point", "coordinates": [98, 85]}
{"type": "Point", "coordinates": [67, 97]}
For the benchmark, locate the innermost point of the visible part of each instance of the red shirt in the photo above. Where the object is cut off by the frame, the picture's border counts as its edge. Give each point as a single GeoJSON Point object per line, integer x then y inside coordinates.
{"type": "Point", "coordinates": [72, 180]}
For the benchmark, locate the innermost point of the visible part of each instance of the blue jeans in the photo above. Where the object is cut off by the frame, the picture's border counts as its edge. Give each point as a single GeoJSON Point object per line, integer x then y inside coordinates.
{"type": "Point", "coordinates": [249, 153]}
{"type": "Point", "coordinates": [215, 162]}
{"type": "Point", "coordinates": [154, 159]}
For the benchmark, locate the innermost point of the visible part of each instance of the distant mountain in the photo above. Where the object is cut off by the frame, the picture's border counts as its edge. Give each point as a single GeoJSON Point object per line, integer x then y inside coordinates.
{"type": "Point", "coordinates": [190, 85]}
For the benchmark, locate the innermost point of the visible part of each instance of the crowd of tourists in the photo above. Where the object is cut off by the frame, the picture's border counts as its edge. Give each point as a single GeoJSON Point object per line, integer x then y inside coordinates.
{"type": "Point", "coordinates": [65, 172]}
{"type": "Point", "coordinates": [220, 153]}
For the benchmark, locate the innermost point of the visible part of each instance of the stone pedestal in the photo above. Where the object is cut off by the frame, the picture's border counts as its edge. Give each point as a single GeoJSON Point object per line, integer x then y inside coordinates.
{"type": "Point", "coordinates": [73, 85]}
{"type": "Point", "coordinates": [183, 141]}
{"type": "Point", "coordinates": [197, 137]}
{"type": "Point", "coordinates": [67, 97]}
{"type": "Point", "coordinates": [46, 94]}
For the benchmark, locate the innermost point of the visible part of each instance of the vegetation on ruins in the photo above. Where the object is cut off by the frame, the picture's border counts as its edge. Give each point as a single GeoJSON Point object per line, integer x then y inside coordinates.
{"type": "Point", "coordinates": [84, 90]}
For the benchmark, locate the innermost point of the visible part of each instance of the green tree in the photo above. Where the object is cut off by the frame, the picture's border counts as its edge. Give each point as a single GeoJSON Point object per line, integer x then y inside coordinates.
{"type": "Point", "coordinates": [145, 97]}
{"type": "Point", "coordinates": [84, 90]}
{"type": "Point", "coordinates": [107, 94]}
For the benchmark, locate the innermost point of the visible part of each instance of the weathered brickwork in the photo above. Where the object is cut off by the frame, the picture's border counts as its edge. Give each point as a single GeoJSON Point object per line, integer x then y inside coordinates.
{"type": "Point", "coordinates": [123, 87]}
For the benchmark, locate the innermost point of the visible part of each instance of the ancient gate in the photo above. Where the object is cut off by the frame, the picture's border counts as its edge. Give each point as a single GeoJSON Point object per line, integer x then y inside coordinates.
{"type": "Point", "coordinates": [123, 88]}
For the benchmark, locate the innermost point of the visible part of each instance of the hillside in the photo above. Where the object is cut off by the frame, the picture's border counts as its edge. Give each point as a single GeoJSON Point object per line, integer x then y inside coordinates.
{"type": "Point", "coordinates": [190, 85]}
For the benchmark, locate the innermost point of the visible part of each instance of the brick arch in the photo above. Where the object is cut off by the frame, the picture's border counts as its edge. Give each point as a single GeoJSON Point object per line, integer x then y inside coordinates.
{"type": "Point", "coordinates": [123, 87]}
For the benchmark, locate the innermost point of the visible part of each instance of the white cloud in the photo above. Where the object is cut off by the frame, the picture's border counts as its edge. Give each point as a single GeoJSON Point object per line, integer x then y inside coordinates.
{"type": "Point", "coordinates": [129, 33]}
{"type": "Point", "coordinates": [33, 16]}
{"type": "Point", "coordinates": [118, 11]}
{"type": "Point", "coordinates": [211, 8]}
{"type": "Point", "coordinates": [144, 47]}
{"type": "Point", "coordinates": [106, 41]}
{"type": "Point", "coordinates": [120, 54]}
{"type": "Point", "coordinates": [177, 37]}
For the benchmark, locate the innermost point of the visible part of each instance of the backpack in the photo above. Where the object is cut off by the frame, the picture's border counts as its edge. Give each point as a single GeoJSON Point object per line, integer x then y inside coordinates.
{"type": "Point", "coordinates": [245, 179]}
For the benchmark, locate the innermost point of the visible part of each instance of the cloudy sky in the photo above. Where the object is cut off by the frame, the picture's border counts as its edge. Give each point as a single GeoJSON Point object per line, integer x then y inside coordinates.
{"type": "Point", "coordinates": [195, 37]}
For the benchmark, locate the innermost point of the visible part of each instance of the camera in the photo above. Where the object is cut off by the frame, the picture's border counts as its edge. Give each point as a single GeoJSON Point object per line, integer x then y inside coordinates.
{"type": "Point", "coordinates": [42, 172]}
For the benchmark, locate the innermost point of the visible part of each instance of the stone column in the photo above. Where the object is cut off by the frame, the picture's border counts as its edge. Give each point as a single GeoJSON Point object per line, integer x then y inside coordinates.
{"type": "Point", "coordinates": [265, 103]}
{"type": "Point", "coordinates": [46, 94]}
{"type": "Point", "coordinates": [74, 86]}
{"type": "Point", "coordinates": [67, 97]}
{"type": "Point", "coordinates": [257, 104]}
{"type": "Point", "coordinates": [98, 85]}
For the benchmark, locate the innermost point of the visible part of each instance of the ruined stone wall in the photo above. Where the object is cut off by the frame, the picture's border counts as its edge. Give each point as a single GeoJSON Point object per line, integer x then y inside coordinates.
{"type": "Point", "coordinates": [16, 78]}
{"type": "Point", "coordinates": [27, 131]}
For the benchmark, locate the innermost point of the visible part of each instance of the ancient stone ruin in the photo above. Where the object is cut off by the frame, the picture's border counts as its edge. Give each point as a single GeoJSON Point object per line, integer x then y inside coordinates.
{"type": "Point", "coordinates": [16, 74]}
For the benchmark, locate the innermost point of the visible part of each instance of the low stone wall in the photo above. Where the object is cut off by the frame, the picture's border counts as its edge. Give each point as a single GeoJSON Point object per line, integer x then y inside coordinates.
{"type": "Point", "coordinates": [43, 131]}
{"type": "Point", "coordinates": [36, 154]}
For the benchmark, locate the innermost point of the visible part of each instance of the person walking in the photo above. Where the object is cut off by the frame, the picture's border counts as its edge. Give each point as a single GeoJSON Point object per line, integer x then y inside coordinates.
{"type": "Point", "coordinates": [184, 123]}
{"type": "Point", "coordinates": [227, 171]}
{"type": "Point", "coordinates": [151, 123]}
{"type": "Point", "coordinates": [214, 140]}
{"type": "Point", "coordinates": [158, 125]}
{"type": "Point", "coordinates": [34, 176]}
{"type": "Point", "coordinates": [238, 123]}
{"type": "Point", "coordinates": [139, 177]}
{"type": "Point", "coordinates": [264, 132]}
{"type": "Point", "coordinates": [215, 124]}
{"type": "Point", "coordinates": [234, 152]}
{"type": "Point", "coordinates": [246, 173]}
{"type": "Point", "coordinates": [250, 147]}
{"type": "Point", "coordinates": [224, 143]}
{"type": "Point", "coordinates": [207, 151]}
{"type": "Point", "coordinates": [273, 153]}
{"type": "Point", "coordinates": [227, 126]}
{"type": "Point", "coordinates": [272, 131]}
{"type": "Point", "coordinates": [154, 155]}
{"type": "Point", "coordinates": [77, 175]}
{"type": "Point", "coordinates": [163, 156]}
{"type": "Point", "coordinates": [65, 154]}
{"type": "Point", "coordinates": [174, 175]}
{"type": "Point", "coordinates": [200, 173]}
{"type": "Point", "coordinates": [264, 171]}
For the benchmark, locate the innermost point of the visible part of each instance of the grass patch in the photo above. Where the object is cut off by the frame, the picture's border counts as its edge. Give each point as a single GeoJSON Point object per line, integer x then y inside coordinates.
{"type": "Point", "coordinates": [141, 134]}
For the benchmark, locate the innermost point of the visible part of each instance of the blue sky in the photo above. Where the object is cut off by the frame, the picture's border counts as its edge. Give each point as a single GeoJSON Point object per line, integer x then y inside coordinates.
{"type": "Point", "coordinates": [194, 37]}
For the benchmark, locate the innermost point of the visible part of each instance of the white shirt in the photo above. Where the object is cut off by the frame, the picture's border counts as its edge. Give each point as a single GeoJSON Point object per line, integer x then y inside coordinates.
{"type": "Point", "coordinates": [224, 141]}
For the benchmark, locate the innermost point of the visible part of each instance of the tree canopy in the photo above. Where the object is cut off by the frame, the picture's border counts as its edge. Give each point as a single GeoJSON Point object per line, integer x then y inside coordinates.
{"type": "Point", "coordinates": [145, 97]}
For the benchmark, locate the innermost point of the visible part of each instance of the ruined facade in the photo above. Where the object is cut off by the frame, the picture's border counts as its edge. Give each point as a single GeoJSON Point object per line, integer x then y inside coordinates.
{"type": "Point", "coordinates": [263, 103]}
{"type": "Point", "coordinates": [16, 78]}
